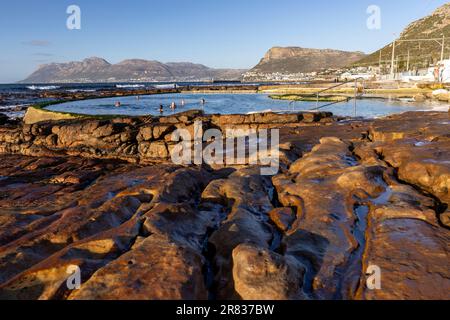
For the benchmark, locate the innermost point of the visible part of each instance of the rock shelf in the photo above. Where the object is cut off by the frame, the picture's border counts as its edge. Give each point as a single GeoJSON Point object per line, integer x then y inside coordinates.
{"type": "Point", "coordinates": [103, 195]}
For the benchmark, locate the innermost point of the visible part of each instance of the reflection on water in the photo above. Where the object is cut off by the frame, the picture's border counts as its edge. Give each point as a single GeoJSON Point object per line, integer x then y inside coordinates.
{"type": "Point", "coordinates": [226, 104]}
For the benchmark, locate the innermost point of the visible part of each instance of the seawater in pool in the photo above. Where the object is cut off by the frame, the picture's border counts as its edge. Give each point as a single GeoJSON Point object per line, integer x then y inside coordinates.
{"type": "Point", "coordinates": [228, 104]}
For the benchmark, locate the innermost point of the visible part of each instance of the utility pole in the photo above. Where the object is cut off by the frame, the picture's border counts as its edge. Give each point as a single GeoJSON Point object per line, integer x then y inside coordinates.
{"type": "Point", "coordinates": [392, 58]}
{"type": "Point", "coordinates": [443, 45]}
{"type": "Point", "coordinates": [379, 65]}
{"type": "Point", "coordinates": [356, 93]}
{"type": "Point", "coordinates": [407, 63]}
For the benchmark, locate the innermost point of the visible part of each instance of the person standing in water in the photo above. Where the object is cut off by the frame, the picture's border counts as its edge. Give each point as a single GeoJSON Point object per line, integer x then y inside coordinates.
{"type": "Point", "coordinates": [161, 108]}
{"type": "Point", "coordinates": [117, 104]}
{"type": "Point", "coordinates": [182, 103]}
{"type": "Point", "coordinates": [203, 101]}
{"type": "Point", "coordinates": [173, 106]}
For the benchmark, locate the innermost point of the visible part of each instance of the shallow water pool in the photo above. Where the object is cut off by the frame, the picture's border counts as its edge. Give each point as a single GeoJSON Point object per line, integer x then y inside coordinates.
{"type": "Point", "coordinates": [229, 104]}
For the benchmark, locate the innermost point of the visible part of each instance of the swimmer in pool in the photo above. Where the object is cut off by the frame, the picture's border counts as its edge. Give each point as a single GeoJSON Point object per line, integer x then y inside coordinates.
{"type": "Point", "coordinates": [161, 108]}
{"type": "Point", "coordinates": [117, 104]}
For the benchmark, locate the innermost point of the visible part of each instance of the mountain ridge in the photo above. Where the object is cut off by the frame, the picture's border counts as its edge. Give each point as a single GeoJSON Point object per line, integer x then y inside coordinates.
{"type": "Point", "coordinates": [296, 60]}
{"type": "Point", "coordinates": [95, 69]}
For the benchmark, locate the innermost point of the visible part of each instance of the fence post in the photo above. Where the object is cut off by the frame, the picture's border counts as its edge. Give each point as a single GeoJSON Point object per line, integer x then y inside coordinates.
{"type": "Point", "coordinates": [317, 99]}
{"type": "Point", "coordinates": [354, 100]}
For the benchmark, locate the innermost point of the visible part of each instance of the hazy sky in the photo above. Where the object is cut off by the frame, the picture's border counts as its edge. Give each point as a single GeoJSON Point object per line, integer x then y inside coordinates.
{"type": "Point", "coordinates": [217, 33]}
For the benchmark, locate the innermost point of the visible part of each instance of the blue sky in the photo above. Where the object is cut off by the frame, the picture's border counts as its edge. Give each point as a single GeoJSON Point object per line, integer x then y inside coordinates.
{"type": "Point", "coordinates": [217, 33]}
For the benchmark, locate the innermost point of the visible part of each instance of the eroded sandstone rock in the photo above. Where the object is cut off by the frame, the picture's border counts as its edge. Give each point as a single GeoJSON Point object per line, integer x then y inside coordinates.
{"type": "Point", "coordinates": [347, 196]}
{"type": "Point", "coordinates": [421, 159]}
{"type": "Point", "coordinates": [323, 185]}
{"type": "Point", "coordinates": [260, 274]}
{"type": "Point", "coordinates": [155, 269]}
{"type": "Point", "coordinates": [244, 196]}
{"type": "Point", "coordinates": [133, 139]}
{"type": "Point", "coordinates": [282, 218]}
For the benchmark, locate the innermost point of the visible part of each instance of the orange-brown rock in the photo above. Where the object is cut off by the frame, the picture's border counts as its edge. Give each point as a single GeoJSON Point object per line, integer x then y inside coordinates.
{"type": "Point", "coordinates": [133, 139]}
{"type": "Point", "coordinates": [282, 218]}
{"type": "Point", "coordinates": [261, 274]}
{"type": "Point", "coordinates": [101, 195]}
{"type": "Point", "coordinates": [154, 269]}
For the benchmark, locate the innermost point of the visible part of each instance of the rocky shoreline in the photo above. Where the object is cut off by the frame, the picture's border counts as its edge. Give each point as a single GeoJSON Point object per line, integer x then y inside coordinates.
{"type": "Point", "coordinates": [103, 195]}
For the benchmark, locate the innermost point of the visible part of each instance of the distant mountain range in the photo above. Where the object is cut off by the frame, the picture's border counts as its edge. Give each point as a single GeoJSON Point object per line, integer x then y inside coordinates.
{"type": "Point", "coordinates": [421, 53]}
{"type": "Point", "coordinates": [294, 60]}
{"type": "Point", "coordinates": [99, 70]}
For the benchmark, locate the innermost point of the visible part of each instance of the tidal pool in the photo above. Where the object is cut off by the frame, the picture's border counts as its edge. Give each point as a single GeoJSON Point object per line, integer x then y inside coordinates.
{"type": "Point", "coordinates": [229, 104]}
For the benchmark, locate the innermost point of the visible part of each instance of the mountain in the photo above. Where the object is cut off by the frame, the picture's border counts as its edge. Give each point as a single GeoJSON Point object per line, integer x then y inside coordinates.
{"type": "Point", "coordinates": [99, 70]}
{"type": "Point", "coordinates": [293, 60]}
{"type": "Point", "coordinates": [422, 53]}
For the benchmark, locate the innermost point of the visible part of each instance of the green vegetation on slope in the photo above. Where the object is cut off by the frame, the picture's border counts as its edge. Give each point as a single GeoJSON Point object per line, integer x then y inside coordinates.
{"type": "Point", "coordinates": [422, 53]}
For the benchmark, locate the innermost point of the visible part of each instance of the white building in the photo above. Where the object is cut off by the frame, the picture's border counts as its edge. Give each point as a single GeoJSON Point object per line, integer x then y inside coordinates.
{"type": "Point", "coordinates": [438, 73]}
{"type": "Point", "coordinates": [346, 76]}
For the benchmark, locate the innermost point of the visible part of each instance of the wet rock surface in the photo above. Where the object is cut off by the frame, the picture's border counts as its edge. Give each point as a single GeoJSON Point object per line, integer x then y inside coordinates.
{"type": "Point", "coordinates": [137, 140]}
{"type": "Point", "coordinates": [103, 196]}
